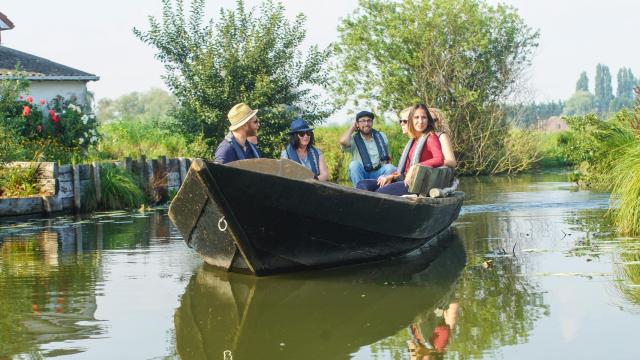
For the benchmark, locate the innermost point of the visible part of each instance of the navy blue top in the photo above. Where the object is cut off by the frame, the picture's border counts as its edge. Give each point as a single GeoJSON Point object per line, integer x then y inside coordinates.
{"type": "Point", "coordinates": [229, 150]}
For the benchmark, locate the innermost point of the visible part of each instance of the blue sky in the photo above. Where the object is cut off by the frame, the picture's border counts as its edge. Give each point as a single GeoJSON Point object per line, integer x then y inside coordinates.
{"type": "Point", "coordinates": [96, 36]}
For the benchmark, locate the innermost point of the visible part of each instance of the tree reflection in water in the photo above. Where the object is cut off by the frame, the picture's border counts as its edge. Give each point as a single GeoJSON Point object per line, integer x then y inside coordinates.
{"type": "Point", "coordinates": [49, 275]}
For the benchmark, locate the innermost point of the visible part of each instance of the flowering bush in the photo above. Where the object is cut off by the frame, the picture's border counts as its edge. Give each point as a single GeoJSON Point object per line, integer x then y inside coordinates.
{"type": "Point", "coordinates": [72, 124]}
{"type": "Point", "coordinates": [61, 120]}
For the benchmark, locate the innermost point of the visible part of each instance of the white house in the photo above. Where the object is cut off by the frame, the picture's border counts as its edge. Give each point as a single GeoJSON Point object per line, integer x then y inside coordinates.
{"type": "Point", "coordinates": [47, 79]}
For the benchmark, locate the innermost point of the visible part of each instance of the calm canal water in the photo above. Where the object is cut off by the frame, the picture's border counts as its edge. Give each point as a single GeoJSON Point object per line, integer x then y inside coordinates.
{"type": "Point", "coordinates": [531, 271]}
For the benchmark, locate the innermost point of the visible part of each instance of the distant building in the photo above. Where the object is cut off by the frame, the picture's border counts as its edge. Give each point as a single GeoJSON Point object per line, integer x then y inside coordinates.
{"type": "Point", "coordinates": [552, 124]}
{"type": "Point", "coordinates": [47, 78]}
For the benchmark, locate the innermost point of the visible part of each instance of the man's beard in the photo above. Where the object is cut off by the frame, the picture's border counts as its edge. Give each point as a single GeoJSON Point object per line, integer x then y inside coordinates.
{"type": "Point", "coordinates": [251, 132]}
{"type": "Point", "coordinates": [366, 131]}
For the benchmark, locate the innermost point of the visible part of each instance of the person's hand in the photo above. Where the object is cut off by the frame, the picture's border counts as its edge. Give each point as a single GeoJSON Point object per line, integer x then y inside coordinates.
{"type": "Point", "coordinates": [408, 177]}
{"type": "Point", "coordinates": [385, 180]}
{"type": "Point", "coordinates": [354, 127]}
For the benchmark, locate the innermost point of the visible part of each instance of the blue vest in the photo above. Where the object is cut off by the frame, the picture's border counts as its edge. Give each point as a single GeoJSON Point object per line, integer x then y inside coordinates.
{"type": "Point", "coordinates": [237, 149]}
{"type": "Point", "coordinates": [312, 154]}
{"type": "Point", "coordinates": [383, 151]}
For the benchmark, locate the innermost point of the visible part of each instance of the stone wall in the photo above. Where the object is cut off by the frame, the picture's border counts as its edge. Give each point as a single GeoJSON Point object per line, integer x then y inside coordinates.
{"type": "Point", "coordinates": [62, 186]}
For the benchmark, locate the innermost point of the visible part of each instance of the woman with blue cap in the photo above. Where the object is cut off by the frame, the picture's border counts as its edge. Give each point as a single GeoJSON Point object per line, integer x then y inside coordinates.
{"type": "Point", "coordinates": [301, 150]}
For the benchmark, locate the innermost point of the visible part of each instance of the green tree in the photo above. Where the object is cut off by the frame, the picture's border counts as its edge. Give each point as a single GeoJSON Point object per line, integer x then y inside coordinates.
{"type": "Point", "coordinates": [624, 92]}
{"type": "Point", "coordinates": [154, 104]}
{"type": "Point", "coordinates": [254, 58]}
{"type": "Point", "coordinates": [583, 82]}
{"type": "Point", "coordinates": [580, 103]}
{"type": "Point", "coordinates": [603, 91]}
{"type": "Point", "coordinates": [463, 56]}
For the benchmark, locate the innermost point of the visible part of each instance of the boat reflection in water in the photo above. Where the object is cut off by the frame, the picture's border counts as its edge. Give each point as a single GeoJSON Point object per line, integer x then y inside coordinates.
{"type": "Point", "coordinates": [322, 315]}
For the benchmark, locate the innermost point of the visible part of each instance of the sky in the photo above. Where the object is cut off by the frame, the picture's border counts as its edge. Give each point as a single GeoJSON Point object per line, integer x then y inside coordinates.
{"type": "Point", "coordinates": [96, 37]}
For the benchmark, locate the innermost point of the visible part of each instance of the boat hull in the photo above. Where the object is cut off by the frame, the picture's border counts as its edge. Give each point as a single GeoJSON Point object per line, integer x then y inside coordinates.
{"type": "Point", "coordinates": [261, 223]}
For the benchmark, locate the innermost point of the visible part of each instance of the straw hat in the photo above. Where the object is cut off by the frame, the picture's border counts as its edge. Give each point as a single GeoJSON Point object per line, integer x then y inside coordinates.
{"type": "Point", "coordinates": [239, 115]}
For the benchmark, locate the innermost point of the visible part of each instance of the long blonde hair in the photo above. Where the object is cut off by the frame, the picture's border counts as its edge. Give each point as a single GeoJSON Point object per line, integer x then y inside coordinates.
{"type": "Point", "coordinates": [440, 125]}
{"type": "Point", "coordinates": [404, 114]}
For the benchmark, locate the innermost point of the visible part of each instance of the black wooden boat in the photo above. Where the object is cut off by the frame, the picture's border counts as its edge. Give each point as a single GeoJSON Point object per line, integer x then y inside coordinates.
{"type": "Point", "coordinates": [264, 216]}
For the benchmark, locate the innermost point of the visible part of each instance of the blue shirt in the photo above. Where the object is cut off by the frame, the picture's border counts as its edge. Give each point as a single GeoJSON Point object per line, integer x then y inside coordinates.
{"type": "Point", "coordinates": [225, 152]}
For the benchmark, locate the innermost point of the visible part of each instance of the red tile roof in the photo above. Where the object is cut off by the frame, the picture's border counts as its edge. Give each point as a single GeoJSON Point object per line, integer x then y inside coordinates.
{"type": "Point", "coordinates": [5, 23]}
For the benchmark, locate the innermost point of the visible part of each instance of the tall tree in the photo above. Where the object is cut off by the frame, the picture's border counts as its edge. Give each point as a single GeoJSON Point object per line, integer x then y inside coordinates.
{"type": "Point", "coordinates": [464, 56]}
{"type": "Point", "coordinates": [583, 82]}
{"type": "Point", "coordinates": [624, 92]}
{"type": "Point", "coordinates": [580, 103]}
{"type": "Point", "coordinates": [242, 57]}
{"type": "Point", "coordinates": [603, 90]}
{"type": "Point", "coordinates": [626, 83]}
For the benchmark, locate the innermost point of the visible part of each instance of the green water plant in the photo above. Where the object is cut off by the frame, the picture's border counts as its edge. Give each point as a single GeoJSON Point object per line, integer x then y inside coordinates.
{"type": "Point", "coordinates": [119, 189]}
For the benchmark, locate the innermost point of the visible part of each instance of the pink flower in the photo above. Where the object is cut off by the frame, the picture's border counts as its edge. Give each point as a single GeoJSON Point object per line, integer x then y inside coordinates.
{"type": "Point", "coordinates": [42, 102]}
{"type": "Point", "coordinates": [29, 99]}
{"type": "Point", "coordinates": [26, 111]}
{"type": "Point", "coordinates": [39, 128]}
{"type": "Point", "coordinates": [20, 97]}
{"type": "Point", "coordinates": [53, 116]}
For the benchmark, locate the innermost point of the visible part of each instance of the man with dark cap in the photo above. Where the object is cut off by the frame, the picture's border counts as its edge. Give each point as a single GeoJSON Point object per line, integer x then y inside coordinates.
{"type": "Point", "coordinates": [369, 149]}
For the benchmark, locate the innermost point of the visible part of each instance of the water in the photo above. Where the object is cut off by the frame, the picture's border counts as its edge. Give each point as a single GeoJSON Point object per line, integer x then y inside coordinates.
{"type": "Point", "coordinates": [532, 270]}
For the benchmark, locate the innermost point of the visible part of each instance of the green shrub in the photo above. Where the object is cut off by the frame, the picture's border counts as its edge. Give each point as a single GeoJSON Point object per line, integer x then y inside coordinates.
{"type": "Point", "coordinates": [521, 151]}
{"type": "Point", "coordinates": [17, 182]}
{"type": "Point", "coordinates": [10, 147]}
{"type": "Point", "coordinates": [550, 150]}
{"type": "Point", "coordinates": [119, 189]}
{"type": "Point", "coordinates": [593, 146]}
{"type": "Point", "coordinates": [60, 130]}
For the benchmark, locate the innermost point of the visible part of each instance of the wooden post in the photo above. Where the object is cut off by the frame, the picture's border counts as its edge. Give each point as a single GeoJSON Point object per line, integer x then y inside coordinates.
{"type": "Point", "coordinates": [142, 166]}
{"type": "Point", "coordinates": [162, 163]}
{"type": "Point", "coordinates": [97, 181]}
{"type": "Point", "coordinates": [183, 169]}
{"type": "Point", "coordinates": [151, 167]}
{"type": "Point", "coordinates": [76, 188]}
{"type": "Point", "coordinates": [126, 163]}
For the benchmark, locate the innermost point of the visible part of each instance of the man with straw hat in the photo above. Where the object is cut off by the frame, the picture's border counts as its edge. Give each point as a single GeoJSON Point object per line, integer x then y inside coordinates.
{"type": "Point", "coordinates": [235, 146]}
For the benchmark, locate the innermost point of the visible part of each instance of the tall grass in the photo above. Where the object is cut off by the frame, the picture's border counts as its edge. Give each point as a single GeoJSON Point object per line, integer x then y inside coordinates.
{"type": "Point", "coordinates": [119, 189]}
{"type": "Point", "coordinates": [15, 181]}
{"type": "Point", "coordinates": [625, 181]}
{"type": "Point", "coordinates": [135, 137]}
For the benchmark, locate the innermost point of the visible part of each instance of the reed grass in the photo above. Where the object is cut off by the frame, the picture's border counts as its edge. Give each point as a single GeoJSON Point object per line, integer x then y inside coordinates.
{"type": "Point", "coordinates": [119, 189]}
{"type": "Point", "coordinates": [625, 181]}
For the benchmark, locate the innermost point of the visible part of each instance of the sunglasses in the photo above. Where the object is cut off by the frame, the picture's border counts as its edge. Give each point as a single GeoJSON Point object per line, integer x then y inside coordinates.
{"type": "Point", "coordinates": [403, 122]}
{"type": "Point", "coordinates": [305, 133]}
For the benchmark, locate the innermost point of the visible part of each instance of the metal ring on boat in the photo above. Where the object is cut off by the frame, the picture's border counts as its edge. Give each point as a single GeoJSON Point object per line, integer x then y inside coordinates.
{"type": "Point", "coordinates": [220, 227]}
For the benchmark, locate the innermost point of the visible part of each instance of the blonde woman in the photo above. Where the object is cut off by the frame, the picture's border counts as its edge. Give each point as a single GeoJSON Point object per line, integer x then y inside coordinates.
{"type": "Point", "coordinates": [444, 134]}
